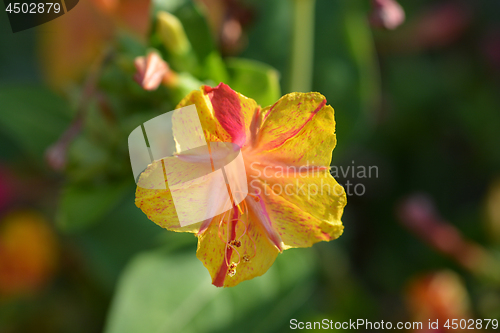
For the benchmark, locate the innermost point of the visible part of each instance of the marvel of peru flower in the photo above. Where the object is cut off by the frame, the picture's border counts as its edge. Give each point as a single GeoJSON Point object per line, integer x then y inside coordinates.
{"type": "Point", "coordinates": [292, 200]}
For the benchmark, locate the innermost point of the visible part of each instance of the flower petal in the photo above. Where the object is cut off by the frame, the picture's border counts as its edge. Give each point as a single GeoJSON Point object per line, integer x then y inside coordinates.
{"type": "Point", "coordinates": [305, 209]}
{"type": "Point", "coordinates": [169, 203]}
{"type": "Point", "coordinates": [211, 127]}
{"type": "Point", "coordinates": [297, 130]}
{"type": "Point", "coordinates": [261, 213]}
{"type": "Point", "coordinates": [233, 111]}
{"type": "Point", "coordinates": [227, 110]}
{"type": "Point", "coordinates": [254, 244]}
{"type": "Point", "coordinates": [225, 115]}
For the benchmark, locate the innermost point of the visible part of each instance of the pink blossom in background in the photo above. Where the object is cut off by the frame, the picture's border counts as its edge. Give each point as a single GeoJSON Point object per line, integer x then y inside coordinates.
{"type": "Point", "coordinates": [386, 14]}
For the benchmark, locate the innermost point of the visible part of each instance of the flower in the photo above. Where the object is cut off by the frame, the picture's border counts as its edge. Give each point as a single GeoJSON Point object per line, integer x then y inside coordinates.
{"type": "Point", "coordinates": [28, 254]}
{"type": "Point", "coordinates": [386, 14]}
{"type": "Point", "coordinates": [287, 151]}
{"type": "Point", "coordinates": [439, 296]}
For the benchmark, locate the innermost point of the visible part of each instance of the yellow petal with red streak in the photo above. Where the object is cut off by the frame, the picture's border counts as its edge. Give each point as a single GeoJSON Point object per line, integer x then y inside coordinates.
{"type": "Point", "coordinates": [255, 244]}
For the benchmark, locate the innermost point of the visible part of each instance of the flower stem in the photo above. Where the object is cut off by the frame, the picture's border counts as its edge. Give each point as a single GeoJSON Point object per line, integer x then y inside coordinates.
{"type": "Point", "coordinates": [302, 45]}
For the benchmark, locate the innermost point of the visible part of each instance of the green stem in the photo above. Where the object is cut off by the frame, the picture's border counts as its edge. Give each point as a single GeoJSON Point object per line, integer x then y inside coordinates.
{"type": "Point", "coordinates": [302, 45]}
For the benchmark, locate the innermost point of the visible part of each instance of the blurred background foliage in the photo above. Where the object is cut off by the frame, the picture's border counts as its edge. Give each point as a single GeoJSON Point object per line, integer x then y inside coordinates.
{"type": "Point", "coordinates": [420, 102]}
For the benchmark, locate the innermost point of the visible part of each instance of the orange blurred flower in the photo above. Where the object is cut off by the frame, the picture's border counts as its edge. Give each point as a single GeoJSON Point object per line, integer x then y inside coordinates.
{"type": "Point", "coordinates": [438, 296]}
{"type": "Point", "coordinates": [70, 44]}
{"type": "Point", "coordinates": [28, 254]}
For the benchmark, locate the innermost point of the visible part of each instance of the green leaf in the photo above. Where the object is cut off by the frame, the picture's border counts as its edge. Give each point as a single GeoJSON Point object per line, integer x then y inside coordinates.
{"type": "Point", "coordinates": [33, 117]}
{"type": "Point", "coordinates": [185, 84]}
{"type": "Point", "coordinates": [254, 79]}
{"type": "Point", "coordinates": [197, 29]}
{"type": "Point", "coordinates": [87, 160]}
{"type": "Point", "coordinates": [120, 234]}
{"type": "Point", "coordinates": [82, 205]}
{"type": "Point", "coordinates": [346, 69]}
{"type": "Point", "coordinates": [363, 54]}
{"type": "Point", "coordinates": [173, 293]}
{"type": "Point", "coordinates": [216, 68]}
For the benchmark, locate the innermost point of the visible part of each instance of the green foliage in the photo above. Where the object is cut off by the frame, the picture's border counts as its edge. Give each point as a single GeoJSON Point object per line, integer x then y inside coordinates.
{"type": "Point", "coordinates": [165, 292]}
{"type": "Point", "coordinates": [119, 234]}
{"type": "Point", "coordinates": [427, 118]}
{"type": "Point", "coordinates": [32, 117]}
{"type": "Point", "coordinates": [254, 79]}
{"type": "Point", "coordinates": [84, 205]}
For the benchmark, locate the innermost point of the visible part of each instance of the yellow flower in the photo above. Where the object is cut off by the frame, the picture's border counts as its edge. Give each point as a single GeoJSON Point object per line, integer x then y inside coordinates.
{"type": "Point", "coordinates": [292, 201]}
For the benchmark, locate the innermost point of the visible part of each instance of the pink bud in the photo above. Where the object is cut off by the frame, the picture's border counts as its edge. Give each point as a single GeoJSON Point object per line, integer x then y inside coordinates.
{"type": "Point", "coordinates": [386, 14]}
{"type": "Point", "coordinates": [150, 71]}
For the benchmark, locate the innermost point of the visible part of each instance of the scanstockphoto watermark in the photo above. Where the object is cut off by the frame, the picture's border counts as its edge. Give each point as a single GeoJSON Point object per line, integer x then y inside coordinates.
{"type": "Point", "coordinates": [358, 324]}
{"type": "Point", "coordinates": [450, 324]}
{"type": "Point", "coordinates": [317, 182]}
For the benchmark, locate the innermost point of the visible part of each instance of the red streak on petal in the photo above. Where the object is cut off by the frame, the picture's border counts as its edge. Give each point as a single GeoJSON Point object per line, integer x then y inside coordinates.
{"type": "Point", "coordinates": [227, 109]}
{"type": "Point", "coordinates": [290, 134]}
{"type": "Point", "coordinates": [221, 275]}
{"type": "Point", "coordinates": [254, 126]}
{"type": "Point", "coordinates": [204, 226]}
{"type": "Point", "coordinates": [269, 111]}
{"type": "Point", "coordinates": [260, 210]}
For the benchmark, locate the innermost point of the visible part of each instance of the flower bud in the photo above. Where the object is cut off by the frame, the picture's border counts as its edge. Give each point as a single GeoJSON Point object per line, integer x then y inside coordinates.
{"type": "Point", "coordinates": [150, 70]}
{"type": "Point", "coordinates": [172, 33]}
{"type": "Point", "coordinates": [386, 14]}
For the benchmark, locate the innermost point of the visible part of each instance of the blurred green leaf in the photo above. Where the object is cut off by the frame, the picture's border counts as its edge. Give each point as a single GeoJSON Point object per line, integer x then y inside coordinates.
{"type": "Point", "coordinates": [161, 293]}
{"type": "Point", "coordinates": [119, 234]}
{"type": "Point", "coordinates": [216, 68]}
{"type": "Point", "coordinates": [33, 117]}
{"type": "Point", "coordinates": [197, 29]}
{"type": "Point", "coordinates": [362, 51]}
{"type": "Point", "coordinates": [254, 79]}
{"type": "Point", "coordinates": [81, 205]}
{"type": "Point", "coordinates": [346, 70]}
{"type": "Point", "coordinates": [86, 160]}
{"type": "Point", "coordinates": [186, 83]}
